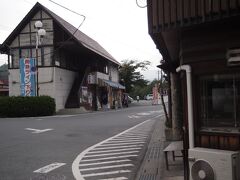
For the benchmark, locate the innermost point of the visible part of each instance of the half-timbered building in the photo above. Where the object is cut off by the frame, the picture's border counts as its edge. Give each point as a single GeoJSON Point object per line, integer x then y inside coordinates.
{"type": "Point", "coordinates": [72, 67]}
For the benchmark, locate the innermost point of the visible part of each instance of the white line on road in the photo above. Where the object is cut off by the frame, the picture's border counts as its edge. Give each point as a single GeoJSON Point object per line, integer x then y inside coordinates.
{"type": "Point", "coordinates": [143, 114]}
{"type": "Point", "coordinates": [107, 162]}
{"type": "Point", "coordinates": [106, 173]}
{"type": "Point", "coordinates": [116, 147]}
{"type": "Point", "coordinates": [106, 167]}
{"type": "Point", "coordinates": [111, 154]}
{"type": "Point", "coordinates": [75, 165]}
{"type": "Point", "coordinates": [134, 116]}
{"type": "Point", "coordinates": [107, 158]}
{"type": "Point", "coordinates": [133, 136]}
{"type": "Point", "coordinates": [118, 144]}
{"type": "Point", "coordinates": [116, 178]}
{"type": "Point", "coordinates": [39, 119]}
{"type": "Point", "coordinates": [115, 150]}
{"type": "Point", "coordinates": [124, 141]}
{"type": "Point", "coordinates": [49, 168]}
{"type": "Point", "coordinates": [129, 138]}
{"type": "Point", "coordinates": [37, 131]}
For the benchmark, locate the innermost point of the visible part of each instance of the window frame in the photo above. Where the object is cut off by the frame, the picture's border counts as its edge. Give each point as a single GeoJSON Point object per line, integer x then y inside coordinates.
{"type": "Point", "coordinates": [235, 76]}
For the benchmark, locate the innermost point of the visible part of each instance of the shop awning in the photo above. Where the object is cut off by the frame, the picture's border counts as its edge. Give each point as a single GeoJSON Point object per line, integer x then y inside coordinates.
{"type": "Point", "coordinates": [113, 84]}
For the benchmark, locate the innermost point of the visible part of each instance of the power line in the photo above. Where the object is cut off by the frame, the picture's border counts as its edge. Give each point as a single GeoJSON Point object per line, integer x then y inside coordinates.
{"type": "Point", "coordinates": [64, 7]}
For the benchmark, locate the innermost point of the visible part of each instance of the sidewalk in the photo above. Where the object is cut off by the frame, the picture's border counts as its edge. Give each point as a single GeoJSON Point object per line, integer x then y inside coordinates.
{"type": "Point", "coordinates": [153, 166]}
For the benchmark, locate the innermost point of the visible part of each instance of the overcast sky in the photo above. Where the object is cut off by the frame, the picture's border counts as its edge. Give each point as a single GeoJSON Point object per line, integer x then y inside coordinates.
{"type": "Point", "coordinates": [120, 26]}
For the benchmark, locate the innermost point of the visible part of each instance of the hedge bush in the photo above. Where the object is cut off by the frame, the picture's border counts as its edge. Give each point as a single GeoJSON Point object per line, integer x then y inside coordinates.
{"type": "Point", "coordinates": [19, 106]}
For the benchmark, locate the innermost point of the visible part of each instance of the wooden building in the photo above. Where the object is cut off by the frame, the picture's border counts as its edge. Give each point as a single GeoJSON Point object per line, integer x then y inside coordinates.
{"type": "Point", "coordinates": [72, 67]}
{"type": "Point", "coordinates": [201, 39]}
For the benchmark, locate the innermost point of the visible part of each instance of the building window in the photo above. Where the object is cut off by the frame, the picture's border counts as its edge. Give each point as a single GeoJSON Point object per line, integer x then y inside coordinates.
{"type": "Point", "coordinates": [220, 100]}
{"type": "Point", "coordinates": [106, 69]}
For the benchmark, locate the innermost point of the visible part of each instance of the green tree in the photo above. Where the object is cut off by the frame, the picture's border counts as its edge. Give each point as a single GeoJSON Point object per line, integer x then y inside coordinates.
{"type": "Point", "coordinates": [130, 75]}
{"type": "Point", "coordinates": [4, 72]}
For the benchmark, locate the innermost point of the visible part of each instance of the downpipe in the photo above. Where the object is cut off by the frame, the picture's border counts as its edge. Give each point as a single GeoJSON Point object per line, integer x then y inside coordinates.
{"type": "Point", "coordinates": [187, 69]}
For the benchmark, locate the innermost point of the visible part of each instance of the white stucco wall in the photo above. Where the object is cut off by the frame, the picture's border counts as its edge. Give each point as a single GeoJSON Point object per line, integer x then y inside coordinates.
{"type": "Point", "coordinates": [53, 81]}
{"type": "Point", "coordinates": [63, 83]}
{"type": "Point", "coordinates": [46, 83]}
{"type": "Point", "coordinates": [14, 82]}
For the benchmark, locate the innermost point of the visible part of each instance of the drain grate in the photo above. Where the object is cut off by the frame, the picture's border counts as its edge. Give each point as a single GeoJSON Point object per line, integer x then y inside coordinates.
{"type": "Point", "coordinates": [154, 153]}
{"type": "Point", "coordinates": [147, 177]}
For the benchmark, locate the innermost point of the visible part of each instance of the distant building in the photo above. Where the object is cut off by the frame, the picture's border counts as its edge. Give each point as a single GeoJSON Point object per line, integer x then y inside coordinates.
{"type": "Point", "coordinates": [72, 68]}
{"type": "Point", "coordinates": [4, 80]}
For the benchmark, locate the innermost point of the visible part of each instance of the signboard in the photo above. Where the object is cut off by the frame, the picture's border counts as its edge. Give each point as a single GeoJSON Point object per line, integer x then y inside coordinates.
{"type": "Point", "coordinates": [156, 97]}
{"type": "Point", "coordinates": [27, 77]}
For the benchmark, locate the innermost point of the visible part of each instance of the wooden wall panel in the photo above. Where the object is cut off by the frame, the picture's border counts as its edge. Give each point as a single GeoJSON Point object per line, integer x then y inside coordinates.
{"type": "Point", "coordinates": [155, 12]}
{"type": "Point", "coordinates": [224, 142]}
{"type": "Point", "coordinates": [186, 7]}
{"type": "Point", "coordinates": [173, 10]}
{"type": "Point", "coordinates": [168, 13]}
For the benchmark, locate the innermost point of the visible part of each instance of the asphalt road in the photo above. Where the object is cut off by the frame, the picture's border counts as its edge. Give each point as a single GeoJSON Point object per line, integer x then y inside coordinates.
{"type": "Point", "coordinates": [29, 144]}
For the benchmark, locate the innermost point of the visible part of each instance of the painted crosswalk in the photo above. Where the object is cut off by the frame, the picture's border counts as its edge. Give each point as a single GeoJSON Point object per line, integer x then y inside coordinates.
{"type": "Point", "coordinates": [115, 158]}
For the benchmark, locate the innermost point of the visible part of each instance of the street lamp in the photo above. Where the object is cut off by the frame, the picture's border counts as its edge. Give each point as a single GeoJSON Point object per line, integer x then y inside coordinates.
{"type": "Point", "coordinates": [39, 34]}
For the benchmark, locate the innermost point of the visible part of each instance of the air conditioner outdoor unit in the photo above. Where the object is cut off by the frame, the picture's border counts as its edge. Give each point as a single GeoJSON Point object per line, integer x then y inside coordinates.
{"type": "Point", "coordinates": [233, 57]}
{"type": "Point", "coordinates": [213, 164]}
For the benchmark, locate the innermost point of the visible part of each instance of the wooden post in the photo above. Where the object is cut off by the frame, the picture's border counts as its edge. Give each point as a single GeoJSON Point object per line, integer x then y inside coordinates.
{"type": "Point", "coordinates": [176, 107]}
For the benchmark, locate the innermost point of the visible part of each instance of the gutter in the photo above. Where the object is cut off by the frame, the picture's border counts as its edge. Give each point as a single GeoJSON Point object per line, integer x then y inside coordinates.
{"type": "Point", "coordinates": [187, 68]}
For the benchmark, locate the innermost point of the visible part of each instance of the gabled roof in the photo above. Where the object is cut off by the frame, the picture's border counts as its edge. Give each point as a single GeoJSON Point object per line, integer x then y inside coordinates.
{"type": "Point", "coordinates": [79, 36]}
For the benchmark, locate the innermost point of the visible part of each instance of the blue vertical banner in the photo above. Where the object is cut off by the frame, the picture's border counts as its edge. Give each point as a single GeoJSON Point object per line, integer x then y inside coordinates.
{"type": "Point", "coordinates": [27, 77]}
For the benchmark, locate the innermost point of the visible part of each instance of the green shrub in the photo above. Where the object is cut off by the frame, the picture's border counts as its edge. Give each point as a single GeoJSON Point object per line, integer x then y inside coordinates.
{"type": "Point", "coordinates": [18, 106]}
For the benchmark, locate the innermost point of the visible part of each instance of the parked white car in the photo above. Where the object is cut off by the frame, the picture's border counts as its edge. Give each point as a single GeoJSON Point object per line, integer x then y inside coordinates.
{"type": "Point", "coordinates": [149, 97]}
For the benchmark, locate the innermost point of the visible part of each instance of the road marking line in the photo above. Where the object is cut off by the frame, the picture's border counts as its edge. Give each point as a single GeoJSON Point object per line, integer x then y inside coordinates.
{"type": "Point", "coordinates": [37, 131]}
{"type": "Point", "coordinates": [116, 178]}
{"type": "Point", "coordinates": [39, 119]}
{"type": "Point", "coordinates": [143, 132]}
{"type": "Point", "coordinates": [75, 165]}
{"type": "Point", "coordinates": [143, 114]}
{"type": "Point", "coordinates": [129, 138]}
{"type": "Point", "coordinates": [134, 116]}
{"type": "Point", "coordinates": [106, 167]}
{"type": "Point", "coordinates": [115, 150]}
{"type": "Point", "coordinates": [107, 158]}
{"type": "Point", "coordinates": [114, 144]}
{"type": "Point", "coordinates": [110, 154]}
{"type": "Point", "coordinates": [133, 136]}
{"type": "Point", "coordinates": [107, 162]}
{"type": "Point", "coordinates": [106, 173]}
{"type": "Point", "coordinates": [116, 147]}
{"type": "Point", "coordinates": [123, 141]}
{"type": "Point", "coordinates": [49, 168]}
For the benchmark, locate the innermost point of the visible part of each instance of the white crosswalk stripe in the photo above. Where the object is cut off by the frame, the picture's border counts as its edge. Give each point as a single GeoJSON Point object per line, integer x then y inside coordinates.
{"type": "Point", "coordinates": [106, 173]}
{"type": "Point", "coordinates": [137, 145]}
{"type": "Point", "coordinates": [118, 144]}
{"type": "Point", "coordinates": [106, 167]}
{"type": "Point", "coordinates": [115, 150]}
{"type": "Point", "coordinates": [112, 159]}
{"type": "Point", "coordinates": [110, 154]}
{"type": "Point", "coordinates": [107, 158]}
{"type": "Point", "coordinates": [106, 162]}
{"type": "Point", "coordinates": [117, 178]}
